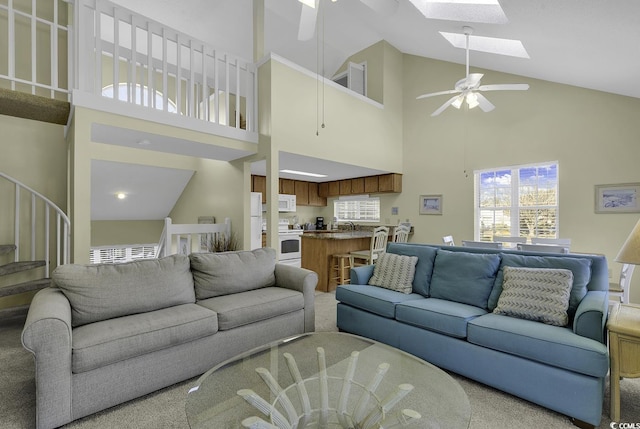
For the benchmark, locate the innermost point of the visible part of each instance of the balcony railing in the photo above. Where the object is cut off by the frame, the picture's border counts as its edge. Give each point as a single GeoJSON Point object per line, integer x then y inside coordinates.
{"type": "Point", "coordinates": [128, 57]}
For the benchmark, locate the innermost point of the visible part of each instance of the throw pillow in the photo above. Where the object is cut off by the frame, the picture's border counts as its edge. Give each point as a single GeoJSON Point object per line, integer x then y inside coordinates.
{"type": "Point", "coordinates": [464, 277]}
{"type": "Point", "coordinates": [394, 272]}
{"type": "Point", "coordinates": [104, 291]}
{"type": "Point", "coordinates": [581, 269]}
{"type": "Point", "coordinates": [539, 294]}
{"type": "Point", "coordinates": [424, 267]}
{"type": "Point", "coordinates": [216, 274]}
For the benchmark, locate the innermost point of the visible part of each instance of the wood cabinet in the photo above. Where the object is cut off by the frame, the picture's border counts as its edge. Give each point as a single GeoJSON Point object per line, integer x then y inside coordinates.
{"type": "Point", "coordinates": [329, 189]}
{"type": "Point", "coordinates": [390, 183]}
{"type": "Point", "coordinates": [314, 195]}
{"type": "Point", "coordinates": [302, 192]}
{"type": "Point", "coordinates": [371, 184]}
{"type": "Point", "coordinates": [287, 186]}
{"type": "Point", "coordinates": [357, 186]}
{"type": "Point", "coordinates": [259, 184]}
{"type": "Point", "coordinates": [345, 187]}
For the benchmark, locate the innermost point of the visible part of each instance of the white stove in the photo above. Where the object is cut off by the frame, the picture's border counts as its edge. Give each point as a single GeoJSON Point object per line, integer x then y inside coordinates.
{"type": "Point", "coordinates": [290, 244]}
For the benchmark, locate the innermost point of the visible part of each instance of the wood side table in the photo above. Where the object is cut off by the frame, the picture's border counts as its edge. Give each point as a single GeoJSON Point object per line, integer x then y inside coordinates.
{"type": "Point", "coordinates": [624, 350]}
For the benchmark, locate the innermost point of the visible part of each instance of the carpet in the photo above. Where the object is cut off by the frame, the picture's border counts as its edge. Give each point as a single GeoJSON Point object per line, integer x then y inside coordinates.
{"type": "Point", "coordinates": [491, 408]}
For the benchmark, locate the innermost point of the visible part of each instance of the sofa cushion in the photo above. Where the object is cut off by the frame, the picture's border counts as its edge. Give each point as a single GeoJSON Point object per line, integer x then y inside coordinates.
{"type": "Point", "coordinates": [253, 306]}
{"type": "Point", "coordinates": [540, 294]}
{"type": "Point", "coordinates": [550, 345]}
{"type": "Point", "coordinates": [104, 291]}
{"type": "Point", "coordinates": [447, 317]}
{"type": "Point", "coordinates": [581, 269]}
{"type": "Point", "coordinates": [217, 274]}
{"type": "Point", "coordinates": [464, 277]}
{"type": "Point", "coordinates": [373, 299]}
{"type": "Point", "coordinates": [424, 268]}
{"type": "Point", "coordinates": [394, 272]}
{"type": "Point", "coordinates": [109, 341]}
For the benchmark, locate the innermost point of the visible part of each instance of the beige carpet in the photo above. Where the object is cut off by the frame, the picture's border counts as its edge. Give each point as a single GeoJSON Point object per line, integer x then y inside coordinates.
{"type": "Point", "coordinates": [491, 409]}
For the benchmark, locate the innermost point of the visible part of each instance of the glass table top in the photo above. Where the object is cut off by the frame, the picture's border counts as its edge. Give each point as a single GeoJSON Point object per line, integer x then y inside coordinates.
{"type": "Point", "coordinates": [327, 380]}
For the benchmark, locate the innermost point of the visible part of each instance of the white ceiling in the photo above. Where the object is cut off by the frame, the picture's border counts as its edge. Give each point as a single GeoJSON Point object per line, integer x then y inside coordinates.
{"type": "Point", "coordinates": [593, 44]}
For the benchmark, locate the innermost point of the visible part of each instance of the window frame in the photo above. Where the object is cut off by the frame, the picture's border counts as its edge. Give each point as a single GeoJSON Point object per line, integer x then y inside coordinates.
{"type": "Point", "coordinates": [357, 199]}
{"type": "Point", "coordinates": [514, 188]}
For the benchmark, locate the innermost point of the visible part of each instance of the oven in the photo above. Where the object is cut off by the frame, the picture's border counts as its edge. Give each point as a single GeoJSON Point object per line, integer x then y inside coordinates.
{"type": "Point", "coordinates": [290, 247]}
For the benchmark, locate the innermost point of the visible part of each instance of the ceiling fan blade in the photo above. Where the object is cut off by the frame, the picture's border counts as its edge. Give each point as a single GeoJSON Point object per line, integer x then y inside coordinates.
{"type": "Point", "coordinates": [474, 79]}
{"type": "Point", "coordinates": [382, 7]}
{"type": "Point", "coordinates": [484, 104]}
{"type": "Point", "coordinates": [433, 94]}
{"type": "Point", "coordinates": [308, 18]}
{"type": "Point", "coordinates": [505, 87]}
{"type": "Point", "coordinates": [445, 105]}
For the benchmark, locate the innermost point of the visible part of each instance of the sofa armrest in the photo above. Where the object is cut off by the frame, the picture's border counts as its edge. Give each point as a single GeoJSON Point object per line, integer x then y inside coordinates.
{"type": "Point", "coordinates": [591, 315]}
{"type": "Point", "coordinates": [304, 281]}
{"type": "Point", "coordinates": [47, 334]}
{"type": "Point", "coordinates": [361, 275]}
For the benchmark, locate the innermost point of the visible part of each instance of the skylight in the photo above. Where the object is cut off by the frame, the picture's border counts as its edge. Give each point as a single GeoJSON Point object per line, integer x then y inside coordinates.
{"type": "Point", "coordinates": [492, 45]}
{"type": "Point", "coordinates": [485, 11]}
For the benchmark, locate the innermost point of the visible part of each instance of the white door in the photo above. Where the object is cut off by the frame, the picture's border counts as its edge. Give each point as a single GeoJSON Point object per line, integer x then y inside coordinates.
{"type": "Point", "coordinates": [357, 78]}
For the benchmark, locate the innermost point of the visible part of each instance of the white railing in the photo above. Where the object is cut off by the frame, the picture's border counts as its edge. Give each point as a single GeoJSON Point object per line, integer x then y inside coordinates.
{"type": "Point", "coordinates": [188, 238]}
{"type": "Point", "coordinates": [37, 47]}
{"type": "Point", "coordinates": [42, 230]}
{"type": "Point", "coordinates": [132, 58]}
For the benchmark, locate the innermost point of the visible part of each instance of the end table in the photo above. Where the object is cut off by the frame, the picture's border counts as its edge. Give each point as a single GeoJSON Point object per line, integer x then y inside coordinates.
{"type": "Point", "coordinates": [624, 349]}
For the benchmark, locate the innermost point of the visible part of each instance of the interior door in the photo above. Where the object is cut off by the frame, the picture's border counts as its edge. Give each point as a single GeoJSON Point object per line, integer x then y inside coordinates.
{"type": "Point", "coordinates": [357, 78]}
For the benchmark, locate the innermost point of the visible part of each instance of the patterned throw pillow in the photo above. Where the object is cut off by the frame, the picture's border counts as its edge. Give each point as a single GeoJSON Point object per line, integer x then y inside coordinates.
{"type": "Point", "coordinates": [394, 272]}
{"type": "Point", "coordinates": [539, 294]}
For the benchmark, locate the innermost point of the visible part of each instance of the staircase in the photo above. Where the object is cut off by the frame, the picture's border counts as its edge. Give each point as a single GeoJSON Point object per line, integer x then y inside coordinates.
{"type": "Point", "coordinates": [40, 242]}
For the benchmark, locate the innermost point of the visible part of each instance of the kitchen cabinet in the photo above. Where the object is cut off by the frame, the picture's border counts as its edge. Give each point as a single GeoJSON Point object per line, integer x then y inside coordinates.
{"type": "Point", "coordinates": [287, 186]}
{"type": "Point", "coordinates": [371, 184]}
{"type": "Point", "coordinates": [259, 184]}
{"type": "Point", "coordinates": [390, 183]}
{"type": "Point", "coordinates": [357, 186]}
{"type": "Point", "coordinates": [302, 192]}
{"type": "Point", "coordinates": [329, 189]}
{"type": "Point", "coordinates": [345, 187]}
{"type": "Point", "coordinates": [314, 195]}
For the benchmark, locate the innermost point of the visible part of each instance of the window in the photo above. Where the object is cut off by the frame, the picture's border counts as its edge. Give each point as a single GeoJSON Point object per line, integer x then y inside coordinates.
{"type": "Point", "coordinates": [357, 209]}
{"type": "Point", "coordinates": [118, 254]}
{"type": "Point", "coordinates": [517, 201]}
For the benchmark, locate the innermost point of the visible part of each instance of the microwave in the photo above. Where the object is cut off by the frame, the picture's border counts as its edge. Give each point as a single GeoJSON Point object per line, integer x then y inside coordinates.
{"type": "Point", "coordinates": [286, 203]}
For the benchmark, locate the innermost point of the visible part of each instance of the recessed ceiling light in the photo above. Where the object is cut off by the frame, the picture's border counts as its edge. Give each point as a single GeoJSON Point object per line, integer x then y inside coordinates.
{"type": "Point", "coordinates": [492, 45]}
{"type": "Point", "coordinates": [486, 11]}
{"type": "Point", "coordinates": [121, 195]}
{"type": "Point", "coordinates": [303, 173]}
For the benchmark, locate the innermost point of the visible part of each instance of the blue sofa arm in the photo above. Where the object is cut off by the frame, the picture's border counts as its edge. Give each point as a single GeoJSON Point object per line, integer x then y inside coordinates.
{"type": "Point", "coordinates": [591, 315]}
{"type": "Point", "coordinates": [361, 275]}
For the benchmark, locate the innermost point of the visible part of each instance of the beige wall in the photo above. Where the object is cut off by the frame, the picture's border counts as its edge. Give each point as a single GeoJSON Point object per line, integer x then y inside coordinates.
{"type": "Point", "coordinates": [374, 58]}
{"type": "Point", "coordinates": [593, 135]}
{"type": "Point", "coordinates": [106, 232]}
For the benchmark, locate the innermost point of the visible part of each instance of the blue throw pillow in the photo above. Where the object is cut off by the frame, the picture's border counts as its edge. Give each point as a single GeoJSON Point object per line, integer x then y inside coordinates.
{"type": "Point", "coordinates": [581, 269]}
{"type": "Point", "coordinates": [464, 277]}
{"type": "Point", "coordinates": [424, 267]}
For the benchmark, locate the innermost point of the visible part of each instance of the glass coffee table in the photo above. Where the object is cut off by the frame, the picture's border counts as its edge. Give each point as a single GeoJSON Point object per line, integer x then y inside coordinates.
{"type": "Point", "coordinates": [326, 380]}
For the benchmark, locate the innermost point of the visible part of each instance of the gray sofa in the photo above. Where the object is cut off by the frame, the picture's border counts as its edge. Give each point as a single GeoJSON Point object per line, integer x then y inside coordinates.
{"type": "Point", "coordinates": [449, 316]}
{"type": "Point", "coordinates": [105, 334]}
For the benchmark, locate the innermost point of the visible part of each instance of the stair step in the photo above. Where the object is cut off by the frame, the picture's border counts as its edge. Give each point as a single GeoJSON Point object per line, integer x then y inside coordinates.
{"type": "Point", "coordinates": [7, 313]}
{"type": "Point", "coordinates": [24, 287]}
{"type": "Point", "coordinates": [16, 267]}
{"type": "Point", "coordinates": [7, 248]}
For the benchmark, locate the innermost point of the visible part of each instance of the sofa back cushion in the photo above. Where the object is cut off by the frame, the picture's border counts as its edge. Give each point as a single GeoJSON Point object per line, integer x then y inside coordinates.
{"type": "Point", "coordinates": [216, 274]}
{"type": "Point", "coordinates": [464, 277]}
{"type": "Point", "coordinates": [104, 291]}
{"type": "Point", "coordinates": [580, 267]}
{"type": "Point", "coordinates": [424, 267]}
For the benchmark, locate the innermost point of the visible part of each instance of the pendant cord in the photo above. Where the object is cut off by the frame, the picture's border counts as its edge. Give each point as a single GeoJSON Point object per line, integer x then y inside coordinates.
{"type": "Point", "coordinates": [317, 84]}
{"type": "Point", "coordinates": [323, 83]}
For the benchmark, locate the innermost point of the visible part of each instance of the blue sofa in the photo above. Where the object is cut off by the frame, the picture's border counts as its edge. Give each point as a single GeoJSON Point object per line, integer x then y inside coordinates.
{"type": "Point", "coordinates": [452, 325]}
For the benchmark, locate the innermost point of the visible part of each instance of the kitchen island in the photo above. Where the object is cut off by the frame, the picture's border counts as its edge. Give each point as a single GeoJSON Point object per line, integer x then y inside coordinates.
{"type": "Point", "coordinates": [318, 246]}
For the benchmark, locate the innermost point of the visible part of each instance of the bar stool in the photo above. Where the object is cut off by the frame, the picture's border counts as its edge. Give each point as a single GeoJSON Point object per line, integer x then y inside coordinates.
{"type": "Point", "coordinates": [339, 263]}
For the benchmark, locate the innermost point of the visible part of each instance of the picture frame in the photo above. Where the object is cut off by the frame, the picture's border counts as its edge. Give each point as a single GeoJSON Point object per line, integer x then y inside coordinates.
{"type": "Point", "coordinates": [430, 205]}
{"type": "Point", "coordinates": [617, 198]}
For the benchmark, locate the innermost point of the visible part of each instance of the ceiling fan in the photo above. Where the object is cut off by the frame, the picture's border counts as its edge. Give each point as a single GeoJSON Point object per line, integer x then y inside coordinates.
{"type": "Point", "coordinates": [309, 14]}
{"type": "Point", "coordinates": [468, 89]}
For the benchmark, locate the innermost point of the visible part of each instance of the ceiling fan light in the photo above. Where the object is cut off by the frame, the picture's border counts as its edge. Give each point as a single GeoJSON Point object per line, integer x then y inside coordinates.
{"type": "Point", "coordinates": [458, 102]}
{"type": "Point", "coordinates": [472, 100]}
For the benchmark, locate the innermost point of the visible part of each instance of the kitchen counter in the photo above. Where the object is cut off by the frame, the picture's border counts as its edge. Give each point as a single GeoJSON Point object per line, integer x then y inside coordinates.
{"type": "Point", "coordinates": [318, 246]}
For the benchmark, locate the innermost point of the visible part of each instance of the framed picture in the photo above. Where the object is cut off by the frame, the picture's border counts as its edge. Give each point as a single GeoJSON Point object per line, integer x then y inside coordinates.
{"type": "Point", "coordinates": [619, 198]}
{"type": "Point", "coordinates": [430, 205]}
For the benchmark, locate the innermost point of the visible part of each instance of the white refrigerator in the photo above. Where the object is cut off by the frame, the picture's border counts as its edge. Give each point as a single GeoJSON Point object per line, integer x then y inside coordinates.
{"type": "Point", "coordinates": [256, 220]}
